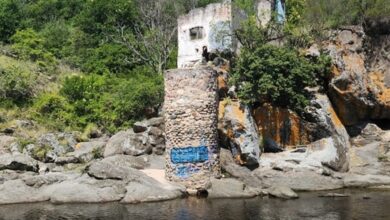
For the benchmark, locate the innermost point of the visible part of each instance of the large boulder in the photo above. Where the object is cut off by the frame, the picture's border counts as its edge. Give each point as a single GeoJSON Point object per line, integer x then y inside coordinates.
{"type": "Point", "coordinates": [128, 142]}
{"type": "Point", "coordinates": [18, 162]}
{"type": "Point", "coordinates": [238, 132]}
{"type": "Point", "coordinates": [119, 167]}
{"type": "Point", "coordinates": [358, 87]}
{"type": "Point", "coordinates": [16, 191]}
{"type": "Point", "coordinates": [242, 173]}
{"type": "Point", "coordinates": [331, 151]}
{"type": "Point", "coordinates": [85, 190]}
{"type": "Point", "coordinates": [149, 190]}
{"type": "Point", "coordinates": [370, 152]}
{"type": "Point", "coordinates": [85, 152]}
{"type": "Point", "coordinates": [230, 188]}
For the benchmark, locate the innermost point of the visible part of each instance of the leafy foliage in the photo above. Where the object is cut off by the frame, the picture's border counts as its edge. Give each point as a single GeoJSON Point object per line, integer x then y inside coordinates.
{"type": "Point", "coordinates": [277, 75]}
{"type": "Point", "coordinates": [109, 102]}
{"type": "Point", "coordinates": [29, 45]}
{"type": "Point", "coordinates": [9, 18]}
{"type": "Point", "coordinates": [16, 86]}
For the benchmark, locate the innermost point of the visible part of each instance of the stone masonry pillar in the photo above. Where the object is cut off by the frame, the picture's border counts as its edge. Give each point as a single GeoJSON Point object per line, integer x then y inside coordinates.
{"type": "Point", "coordinates": [191, 120]}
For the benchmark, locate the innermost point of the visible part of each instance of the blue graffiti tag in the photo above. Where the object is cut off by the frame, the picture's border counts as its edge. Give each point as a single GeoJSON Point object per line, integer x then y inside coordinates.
{"type": "Point", "coordinates": [189, 154]}
{"type": "Point", "coordinates": [184, 171]}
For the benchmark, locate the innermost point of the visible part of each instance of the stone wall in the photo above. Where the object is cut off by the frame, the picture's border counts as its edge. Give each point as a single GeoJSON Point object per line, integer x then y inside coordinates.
{"type": "Point", "coordinates": [191, 117]}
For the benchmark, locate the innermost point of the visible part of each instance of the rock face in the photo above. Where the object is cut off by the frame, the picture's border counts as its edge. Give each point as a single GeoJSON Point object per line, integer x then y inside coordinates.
{"type": "Point", "coordinates": [229, 188]}
{"type": "Point", "coordinates": [238, 132]}
{"type": "Point", "coordinates": [119, 167]}
{"type": "Point", "coordinates": [18, 162]}
{"type": "Point", "coordinates": [191, 114]}
{"type": "Point", "coordinates": [283, 192]}
{"type": "Point", "coordinates": [145, 137]}
{"type": "Point", "coordinates": [330, 151]}
{"type": "Point", "coordinates": [150, 190]}
{"type": "Point", "coordinates": [370, 152]}
{"type": "Point", "coordinates": [281, 125]}
{"type": "Point", "coordinates": [358, 89]}
{"type": "Point", "coordinates": [86, 151]}
{"type": "Point", "coordinates": [5, 143]}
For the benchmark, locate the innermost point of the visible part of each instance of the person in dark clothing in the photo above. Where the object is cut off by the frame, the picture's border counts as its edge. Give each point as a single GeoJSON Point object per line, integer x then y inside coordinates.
{"type": "Point", "coordinates": [205, 54]}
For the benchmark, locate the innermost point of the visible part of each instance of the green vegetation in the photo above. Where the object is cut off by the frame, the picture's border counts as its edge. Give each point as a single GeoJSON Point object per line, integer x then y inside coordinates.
{"type": "Point", "coordinates": [83, 64]}
{"type": "Point", "coordinates": [76, 63]}
{"type": "Point", "coordinates": [277, 75]}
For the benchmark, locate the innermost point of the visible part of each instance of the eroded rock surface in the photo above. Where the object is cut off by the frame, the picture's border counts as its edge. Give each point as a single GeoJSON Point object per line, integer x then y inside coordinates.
{"type": "Point", "coordinates": [239, 133]}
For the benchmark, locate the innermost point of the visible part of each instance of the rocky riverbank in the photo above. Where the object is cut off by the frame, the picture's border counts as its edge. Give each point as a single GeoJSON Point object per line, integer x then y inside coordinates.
{"type": "Point", "coordinates": [129, 171]}
{"type": "Point", "coordinates": [341, 141]}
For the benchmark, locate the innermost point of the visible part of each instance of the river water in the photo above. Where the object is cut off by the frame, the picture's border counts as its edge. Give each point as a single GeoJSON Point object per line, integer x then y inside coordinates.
{"type": "Point", "coordinates": [359, 205]}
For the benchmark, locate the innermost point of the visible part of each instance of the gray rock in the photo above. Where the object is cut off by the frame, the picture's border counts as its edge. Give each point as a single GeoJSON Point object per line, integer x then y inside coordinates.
{"type": "Point", "coordinates": [5, 142]}
{"type": "Point", "coordinates": [18, 162]}
{"type": "Point", "coordinates": [50, 140]}
{"type": "Point", "coordinates": [155, 122]}
{"type": "Point", "coordinates": [87, 151]}
{"type": "Point", "coordinates": [117, 143]}
{"type": "Point", "coordinates": [46, 179]}
{"type": "Point", "coordinates": [153, 140]}
{"type": "Point", "coordinates": [28, 150]}
{"type": "Point", "coordinates": [301, 180]}
{"type": "Point", "coordinates": [138, 145]}
{"type": "Point", "coordinates": [16, 191]}
{"type": "Point", "coordinates": [14, 148]}
{"type": "Point", "coordinates": [329, 151]}
{"type": "Point", "coordinates": [154, 131]}
{"type": "Point", "coordinates": [149, 190]}
{"type": "Point", "coordinates": [239, 132]}
{"type": "Point", "coordinates": [139, 127]}
{"type": "Point", "coordinates": [355, 180]}
{"type": "Point", "coordinates": [237, 171]}
{"type": "Point", "coordinates": [85, 190]}
{"type": "Point", "coordinates": [128, 142]}
{"type": "Point", "coordinates": [118, 167]}
{"type": "Point", "coordinates": [159, 149]}
{"type": "Point", "coordinates": [282, 192]}
{"type": "Point", "coordinates": [230, 188]}
{"type": "Point", "coordinates": [66, 160]}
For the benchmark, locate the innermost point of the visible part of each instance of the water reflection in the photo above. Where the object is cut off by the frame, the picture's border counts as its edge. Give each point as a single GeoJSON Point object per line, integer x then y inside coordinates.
{"type": "Point", "coordinates": [309, 206]}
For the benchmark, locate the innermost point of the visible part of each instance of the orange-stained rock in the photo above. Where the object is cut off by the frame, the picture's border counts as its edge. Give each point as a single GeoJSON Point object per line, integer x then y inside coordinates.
{"type": "Point", "coordinates": [360, 80]}
{"type": "Point", "coordinates": [238, 132]}
{"type": "Point", "coordinates": [283, 126]}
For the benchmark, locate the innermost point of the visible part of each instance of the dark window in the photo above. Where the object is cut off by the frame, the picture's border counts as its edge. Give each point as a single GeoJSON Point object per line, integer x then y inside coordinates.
{"type": "Point", "coordinates": [196, 33]}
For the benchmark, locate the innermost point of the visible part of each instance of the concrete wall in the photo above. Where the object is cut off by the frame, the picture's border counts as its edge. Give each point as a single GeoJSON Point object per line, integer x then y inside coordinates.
{"type": "Point", "coordinates": [217, 32]}
{"type": "Point", "coordinates": [264, 11]}
{"type": "Point", "coordinates": [191, 115]}
{"type": "Point", "coordinates": [218, 21]}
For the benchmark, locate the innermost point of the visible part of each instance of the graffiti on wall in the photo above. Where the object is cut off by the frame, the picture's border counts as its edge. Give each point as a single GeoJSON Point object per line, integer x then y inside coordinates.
{"type": "Point", "coordinates": [185, 171]}
{"type": "Point", "coordinates": [189, 154]}
{"type": "Point", "coordinates": [220, 36]}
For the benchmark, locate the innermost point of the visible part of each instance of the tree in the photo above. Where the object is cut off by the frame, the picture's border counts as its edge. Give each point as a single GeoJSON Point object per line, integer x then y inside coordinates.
{"type": "Point", "coordinates": [10, 15]}
{"type": "Point", "coordinates": [151, 38]}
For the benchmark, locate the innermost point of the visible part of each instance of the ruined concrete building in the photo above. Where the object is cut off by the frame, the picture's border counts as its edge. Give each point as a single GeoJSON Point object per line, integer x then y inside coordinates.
{"type": "Point", "coordinates": [211, 29]}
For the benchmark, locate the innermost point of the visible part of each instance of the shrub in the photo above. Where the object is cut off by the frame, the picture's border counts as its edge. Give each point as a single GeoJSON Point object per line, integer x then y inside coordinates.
{"type": "Point", "coordinates": [135, 95]}
{"type": "Point", "coordinates": [277, 75]}
{"type": "Point", "coordinates": [16, 86]}
{"type": "Point", "coordinates": [111, 102]}
{"type": "Point", "coordinates": [29, 45]}
{"type": "Point", "coordinates": [53, 110]}
{"type": "Point", "coordinates": [10, 15]}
